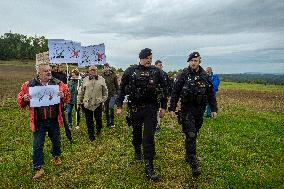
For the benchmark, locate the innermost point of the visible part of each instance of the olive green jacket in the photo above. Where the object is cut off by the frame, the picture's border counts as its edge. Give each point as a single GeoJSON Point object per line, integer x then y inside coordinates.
{"type": "Point", "coordinates": [92, 92]}
{"type": "Point", "coordinates": [111, 82]}
{"type": "Point", "coordinates": [73, 85]}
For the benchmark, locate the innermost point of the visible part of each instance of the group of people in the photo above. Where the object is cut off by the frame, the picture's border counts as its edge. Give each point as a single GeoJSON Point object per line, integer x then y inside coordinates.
{"type": "Point", "coordinates": [148, 91]}
{"type": "Point", "coordinates": [79, 93]}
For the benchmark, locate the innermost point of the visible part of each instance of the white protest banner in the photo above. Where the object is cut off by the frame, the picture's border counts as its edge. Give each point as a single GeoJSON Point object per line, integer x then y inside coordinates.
{"type": "Point", "coordinates": [57, 50]}
{"type": "Point", "coordinates": [98, 52]}
{"type": "Point", "coordinates": [67, 51]}
{"type": "Point", "coordinates": [44, 95]}
{"type": "Point", "coordinates": [86, 57]}
{"type": "Point", "coordinates": [42, 58]}
{"type": "Point", "coordinates": [39, 58]}
{"type": "Point", "coordinates": [46, 57]}
{"type": "Point", "coordinates": [93, 55]}
{"type": "Point", "coordinates": [74, 51]}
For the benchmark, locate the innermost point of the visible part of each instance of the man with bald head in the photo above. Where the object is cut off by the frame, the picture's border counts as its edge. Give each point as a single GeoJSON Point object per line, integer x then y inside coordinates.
{"type": "Point", "coordinates": [45, 118]}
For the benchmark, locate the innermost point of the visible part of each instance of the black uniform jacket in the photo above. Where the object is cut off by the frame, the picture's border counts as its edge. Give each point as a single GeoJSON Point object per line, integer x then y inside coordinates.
{"type": "Point", "coordinates": [180, 83]}
{"type": "Point", "coordinates": [126, 82]}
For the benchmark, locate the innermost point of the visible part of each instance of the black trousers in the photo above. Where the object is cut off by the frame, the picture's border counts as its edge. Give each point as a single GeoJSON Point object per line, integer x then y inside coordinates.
{"type": "Point", "coordinates": [192, 120]}
{"type": "Point", "coordinates": [66, 128]}
{"type": "Point", "coordinates": [89, 115]}
{"type": "Point", "coordinates": [109, 112]}
{"type": "Point", "coordinates": [147, 116]}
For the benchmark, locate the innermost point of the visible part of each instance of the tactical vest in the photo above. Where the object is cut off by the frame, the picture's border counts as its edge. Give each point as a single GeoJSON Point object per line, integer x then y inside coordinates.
{"type": "Point", "coordinates": [144, 86]}
{"type": "Point", "coordinates": [195, 89]}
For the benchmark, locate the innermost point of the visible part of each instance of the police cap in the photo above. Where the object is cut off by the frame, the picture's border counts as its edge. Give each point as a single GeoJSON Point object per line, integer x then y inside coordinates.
{"type": "Point", "coordinates": [193, 55]}
{"type": "Point", "coordinates": [144, 53]}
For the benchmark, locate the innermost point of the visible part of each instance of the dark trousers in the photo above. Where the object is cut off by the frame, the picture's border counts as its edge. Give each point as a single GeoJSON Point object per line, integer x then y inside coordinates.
{"type": "Point", "coordinates": [51, 127]}
{"type": "Point", "coordinates": [89, 115]}
{"type": "Point", "coordinates": [146, 116]}
{"type": "Point", "coordinates": [192, 120]}
{"type": "Point", "coordinates": [66, 128]}
{"type": "Point", "coordinates": [109, 112]}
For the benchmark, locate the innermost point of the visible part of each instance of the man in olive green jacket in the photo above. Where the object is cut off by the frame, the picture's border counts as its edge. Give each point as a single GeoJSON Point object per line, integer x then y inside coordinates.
{"type": "Point", "coordinates": [92, 93]}
{"type": "Point", "coordinates": [112, 86]}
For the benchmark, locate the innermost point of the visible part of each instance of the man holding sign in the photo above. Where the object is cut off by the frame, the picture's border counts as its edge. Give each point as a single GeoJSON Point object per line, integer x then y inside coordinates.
{"type": "Point", "coordinates": [45, 118]}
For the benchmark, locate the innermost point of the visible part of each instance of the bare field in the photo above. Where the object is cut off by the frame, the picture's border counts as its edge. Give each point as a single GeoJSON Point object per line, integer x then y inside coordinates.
{"type": "Point", "coordinates": [257, 100]}
{"type": "Point", "coordinates": [12, 76]}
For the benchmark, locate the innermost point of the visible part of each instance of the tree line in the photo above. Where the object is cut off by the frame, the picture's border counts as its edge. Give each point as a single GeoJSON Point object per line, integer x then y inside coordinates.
{"type": "Point", "coordinates": [276, 79]}
{"type": "Point", "coordinates": [19, 46]}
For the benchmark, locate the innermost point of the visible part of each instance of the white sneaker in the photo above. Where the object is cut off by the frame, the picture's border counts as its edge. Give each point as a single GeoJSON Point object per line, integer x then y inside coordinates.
{"type": "Point", "coordinates": [112, 126]}
{"type": "Point", "coordinates": [77, 127]}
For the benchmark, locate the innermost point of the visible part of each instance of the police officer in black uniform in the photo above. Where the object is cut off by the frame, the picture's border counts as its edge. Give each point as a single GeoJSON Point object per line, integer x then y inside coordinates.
{"type": "Point", "coordinates": [195, 89]}
{"type": "Point", "coordinates": [146, 87]}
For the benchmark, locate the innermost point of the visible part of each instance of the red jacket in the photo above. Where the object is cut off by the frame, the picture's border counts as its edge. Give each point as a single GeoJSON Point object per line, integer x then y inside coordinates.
{"type": "Point", "coordinates": [25, 90]}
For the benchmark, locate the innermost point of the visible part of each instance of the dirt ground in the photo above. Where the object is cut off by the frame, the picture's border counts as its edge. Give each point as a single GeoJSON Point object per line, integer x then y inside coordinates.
{"type": "Point", "coordinates": [11, 79]}
{"type": "Point", "coordinates": [258, 100]}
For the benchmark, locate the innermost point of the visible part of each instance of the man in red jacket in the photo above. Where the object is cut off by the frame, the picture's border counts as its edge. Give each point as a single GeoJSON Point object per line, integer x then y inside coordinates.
{"type": "Point", "coordinates": [45, 118]}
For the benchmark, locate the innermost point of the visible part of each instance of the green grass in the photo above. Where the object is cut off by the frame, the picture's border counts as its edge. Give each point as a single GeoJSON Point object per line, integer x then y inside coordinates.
{"type": "Point", "coordinates": [252, 87]}
{"type": "Point", "coordinates": [242, 148]}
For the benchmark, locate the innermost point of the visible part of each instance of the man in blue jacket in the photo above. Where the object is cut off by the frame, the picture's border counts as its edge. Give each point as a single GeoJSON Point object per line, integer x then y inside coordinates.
{"type": "Point", "coordinates": [216, 82]}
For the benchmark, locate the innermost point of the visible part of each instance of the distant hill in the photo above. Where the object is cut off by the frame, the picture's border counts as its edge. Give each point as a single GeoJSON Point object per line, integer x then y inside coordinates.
{"type": "Point", "coordinates": [276, 79]}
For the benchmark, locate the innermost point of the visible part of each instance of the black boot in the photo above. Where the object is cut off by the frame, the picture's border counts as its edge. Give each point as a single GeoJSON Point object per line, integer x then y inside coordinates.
{"type": "Point", "coordinates": [194, 165]}
{"type": "Point", "coordinates": [138, 154]}
{"type": "Point", "coordinates": [149, 169]}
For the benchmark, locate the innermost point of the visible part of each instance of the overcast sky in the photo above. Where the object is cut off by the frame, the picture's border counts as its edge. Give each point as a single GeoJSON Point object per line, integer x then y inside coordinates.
{"type": "Point", "coordinates": [232, 36]}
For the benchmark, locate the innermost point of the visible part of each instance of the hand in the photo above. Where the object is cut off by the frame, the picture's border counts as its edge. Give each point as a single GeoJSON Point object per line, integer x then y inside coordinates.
{"type": "Point", "coordinates": [61, 94]}
{"type": "Point", "coordinates": [173, 114]}
{"type": "Point", "coordinates": [214, 115]}
{"type": "Point", "coordinates": [162, 113]}
{"type": "Point", "coordinates": [26, 97]}
{"type": "Point", "coordinates": [119, 111]}
{"type": "Point", "coordinates": [79, 106]}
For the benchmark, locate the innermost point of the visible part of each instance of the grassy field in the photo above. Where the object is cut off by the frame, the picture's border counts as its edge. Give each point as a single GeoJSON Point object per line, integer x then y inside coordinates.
{"type": "Point", "coordinates": [242, 148]}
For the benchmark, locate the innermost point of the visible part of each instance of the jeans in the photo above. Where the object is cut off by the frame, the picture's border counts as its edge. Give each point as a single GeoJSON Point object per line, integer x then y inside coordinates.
{"type": "Point", "coordinates": [50, 126]}
{"type": "Point", "coordinates": [109, 110]}
{"type": "Point", "coordinates": [69, 112]}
